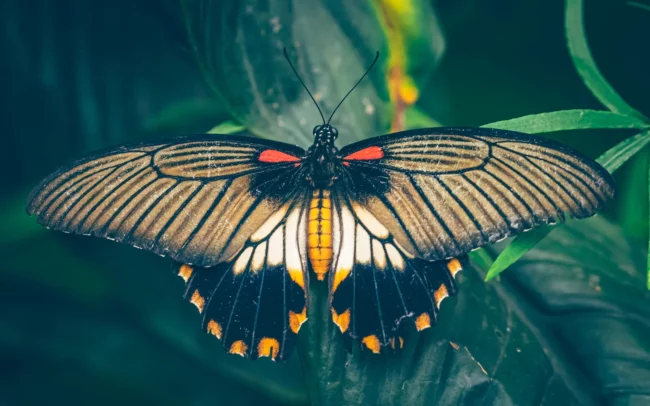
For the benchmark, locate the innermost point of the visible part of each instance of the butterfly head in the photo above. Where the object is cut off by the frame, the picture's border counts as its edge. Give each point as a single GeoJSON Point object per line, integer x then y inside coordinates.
{"type": "Point", "coordinates": [325, 134]}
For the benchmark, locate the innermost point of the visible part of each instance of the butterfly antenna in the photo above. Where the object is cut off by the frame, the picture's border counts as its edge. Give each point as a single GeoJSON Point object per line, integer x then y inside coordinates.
{"type": "Point", "coordinates": [303, 84]}
{"type": "Point", "coordinates": [355, 86]}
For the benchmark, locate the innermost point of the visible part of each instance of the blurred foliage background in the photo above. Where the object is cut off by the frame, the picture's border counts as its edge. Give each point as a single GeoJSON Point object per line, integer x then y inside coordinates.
{"type": "Point", "coordinates": [87, 321]}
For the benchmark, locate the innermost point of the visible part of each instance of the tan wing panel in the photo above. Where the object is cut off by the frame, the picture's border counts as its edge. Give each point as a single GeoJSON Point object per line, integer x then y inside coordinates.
{"type": "Point", "coordinates": [451, 193]}
{"type": "Point", "coordinates": [196, 201]}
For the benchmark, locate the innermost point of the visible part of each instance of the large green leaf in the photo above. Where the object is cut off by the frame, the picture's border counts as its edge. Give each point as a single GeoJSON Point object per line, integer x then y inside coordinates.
{"type": "Point", "coordinates": [584, 286]}
{"type": "Point", "coordinates": [559, 329]}
{"type": "Point", "coordinates": [239, 45]}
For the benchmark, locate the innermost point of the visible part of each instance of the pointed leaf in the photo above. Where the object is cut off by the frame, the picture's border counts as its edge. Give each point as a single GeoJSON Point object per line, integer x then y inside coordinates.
{"type": "Point", "coordinates": [642, 6]}
{"type": "Point", "coordinates": [585, 64]}
{"type": "Point", "coordinates": [616, 156]}
{"type": "Point", "coordinates": [227, 127]}
{"type": "Point", "coordinates": [566, 120]}
{"type": "Point", "coordinates": [517, 249]}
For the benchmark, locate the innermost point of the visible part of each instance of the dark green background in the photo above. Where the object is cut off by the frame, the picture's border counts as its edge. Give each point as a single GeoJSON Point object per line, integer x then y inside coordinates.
{"type": "Point", "coordinates": [84, 321]}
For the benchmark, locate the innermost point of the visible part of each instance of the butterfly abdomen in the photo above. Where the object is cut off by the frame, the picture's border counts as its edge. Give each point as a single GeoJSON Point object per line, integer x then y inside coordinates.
{"type": "Point", "coordinates": [319, 233]}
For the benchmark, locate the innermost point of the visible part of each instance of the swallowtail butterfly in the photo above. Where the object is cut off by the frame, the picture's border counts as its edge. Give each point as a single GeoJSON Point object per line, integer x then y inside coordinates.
{"type": "Point", "coordinates": [385, 222]}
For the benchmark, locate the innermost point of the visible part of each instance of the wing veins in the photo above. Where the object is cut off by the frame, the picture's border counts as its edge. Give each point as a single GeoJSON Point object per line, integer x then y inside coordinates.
{"type": "Point", "coordinates": [491, 202]}
{"type": "Point", "coordinates": [71, 176]}
{"type": "Point", "coordinates": [144, 215]}
{"type": "Point", "coordinates": [259, 299]}
{"type": "Point", "coordinates": [374, 278]}
{"type": "Point", "coordinates": [394, 213]}
{"type": "Point", "coordinates": [180, 208]}
{"type": "Point", "coordinates": [524, 183]}
{"type": "Point", "coordinates": [234, 303]}
{"type": "Point", "coordinates": [516, 196]}
{"type": "Point", "coordinates": [205, 216]}
{"type": "Point", "coordinates": [433, 211]}
{"type": "Point", "coordinates": [464, 208]}
{"type": "Point", "coordinates": [531, 183]}
{"type": "Point", "coordinates": [561, 186]}
{"type": "Point", "coordinates": [62, 216]}
{"type": "Point", "coordinates": [123, 205]}
{"type": "Point", "coordinates": [104, 198]}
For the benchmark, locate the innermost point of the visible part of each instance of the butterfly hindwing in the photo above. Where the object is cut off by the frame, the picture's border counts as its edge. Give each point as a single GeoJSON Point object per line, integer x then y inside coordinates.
{"type": "Point", "coordinates": [376, 285]}
{"type": "Point", "coordinates": [256, 302]}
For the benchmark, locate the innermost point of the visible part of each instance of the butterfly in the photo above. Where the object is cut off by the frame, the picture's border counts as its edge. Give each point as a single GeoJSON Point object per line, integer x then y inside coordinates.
{"type": "Point", "coordinates": [385, 222]}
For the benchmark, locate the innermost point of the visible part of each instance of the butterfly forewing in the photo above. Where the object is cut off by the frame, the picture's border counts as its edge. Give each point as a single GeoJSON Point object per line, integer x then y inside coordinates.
{"type": "Point", "coordinates": [196, 200]}
{"type": "Point", "coordinates": [443, 192]}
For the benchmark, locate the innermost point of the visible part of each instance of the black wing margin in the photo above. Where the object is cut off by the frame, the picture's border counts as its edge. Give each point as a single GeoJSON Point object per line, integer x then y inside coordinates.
{"type": "Point", "coordinates": [443, 192]}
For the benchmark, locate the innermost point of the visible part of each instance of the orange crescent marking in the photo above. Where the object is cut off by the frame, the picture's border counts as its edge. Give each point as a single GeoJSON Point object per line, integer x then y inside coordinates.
{"type": "Point", "coordinates": [274, 156]}
{"type": "Point", "coordinates": [366, 154]}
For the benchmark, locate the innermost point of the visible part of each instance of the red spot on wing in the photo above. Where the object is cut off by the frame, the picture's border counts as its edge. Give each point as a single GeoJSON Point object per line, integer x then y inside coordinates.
{"type": "Point", "coordinates": [275, 156]}
{"type": "Point", "coordinates": [366, 154]}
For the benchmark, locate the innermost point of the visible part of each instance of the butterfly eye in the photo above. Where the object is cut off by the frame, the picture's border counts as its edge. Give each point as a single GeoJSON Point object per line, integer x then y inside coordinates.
{"type": "Point", "coordinates": [317, 129]}
{"type": "Point", "coordinates": [335, 132]}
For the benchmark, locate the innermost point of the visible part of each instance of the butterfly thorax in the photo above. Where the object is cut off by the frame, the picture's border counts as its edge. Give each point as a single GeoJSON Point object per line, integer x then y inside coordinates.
{"type": "Point", "coordinates": [322, 157]}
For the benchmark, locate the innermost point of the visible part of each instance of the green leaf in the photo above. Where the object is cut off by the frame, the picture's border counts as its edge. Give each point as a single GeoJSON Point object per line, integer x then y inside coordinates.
{"type": "Point", "coordinates": [566, 120]}
{"type": "Point", "coordinates": [254, 80]}
{"type": "Point", "coordinates": [642, 6]}
{"type": "Point", "coordinates": [227, 127]}
{"type": "Point", "coordinates": [585, 64]}
{"type": "Point", "coordinates": [187, 116]}
{"type": "Point", "coordinates": [584, 284]}
{"type": "Point", "coordinates": [631, 188]}
{"type": "Point", "coordinates": [616, 156]}
{"type": "Point", "coordinates": [416, 118]}
{"type": "Point", "coordinates": [516, 249]}
{"type": "Point", "coordinates": [481, 258]}
{"type": "Point", "coordinates": [579, 284]}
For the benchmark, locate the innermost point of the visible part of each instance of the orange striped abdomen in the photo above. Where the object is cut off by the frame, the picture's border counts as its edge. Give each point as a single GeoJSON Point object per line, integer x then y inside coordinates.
{"type": "Point", "coordinates": [319, 233]}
